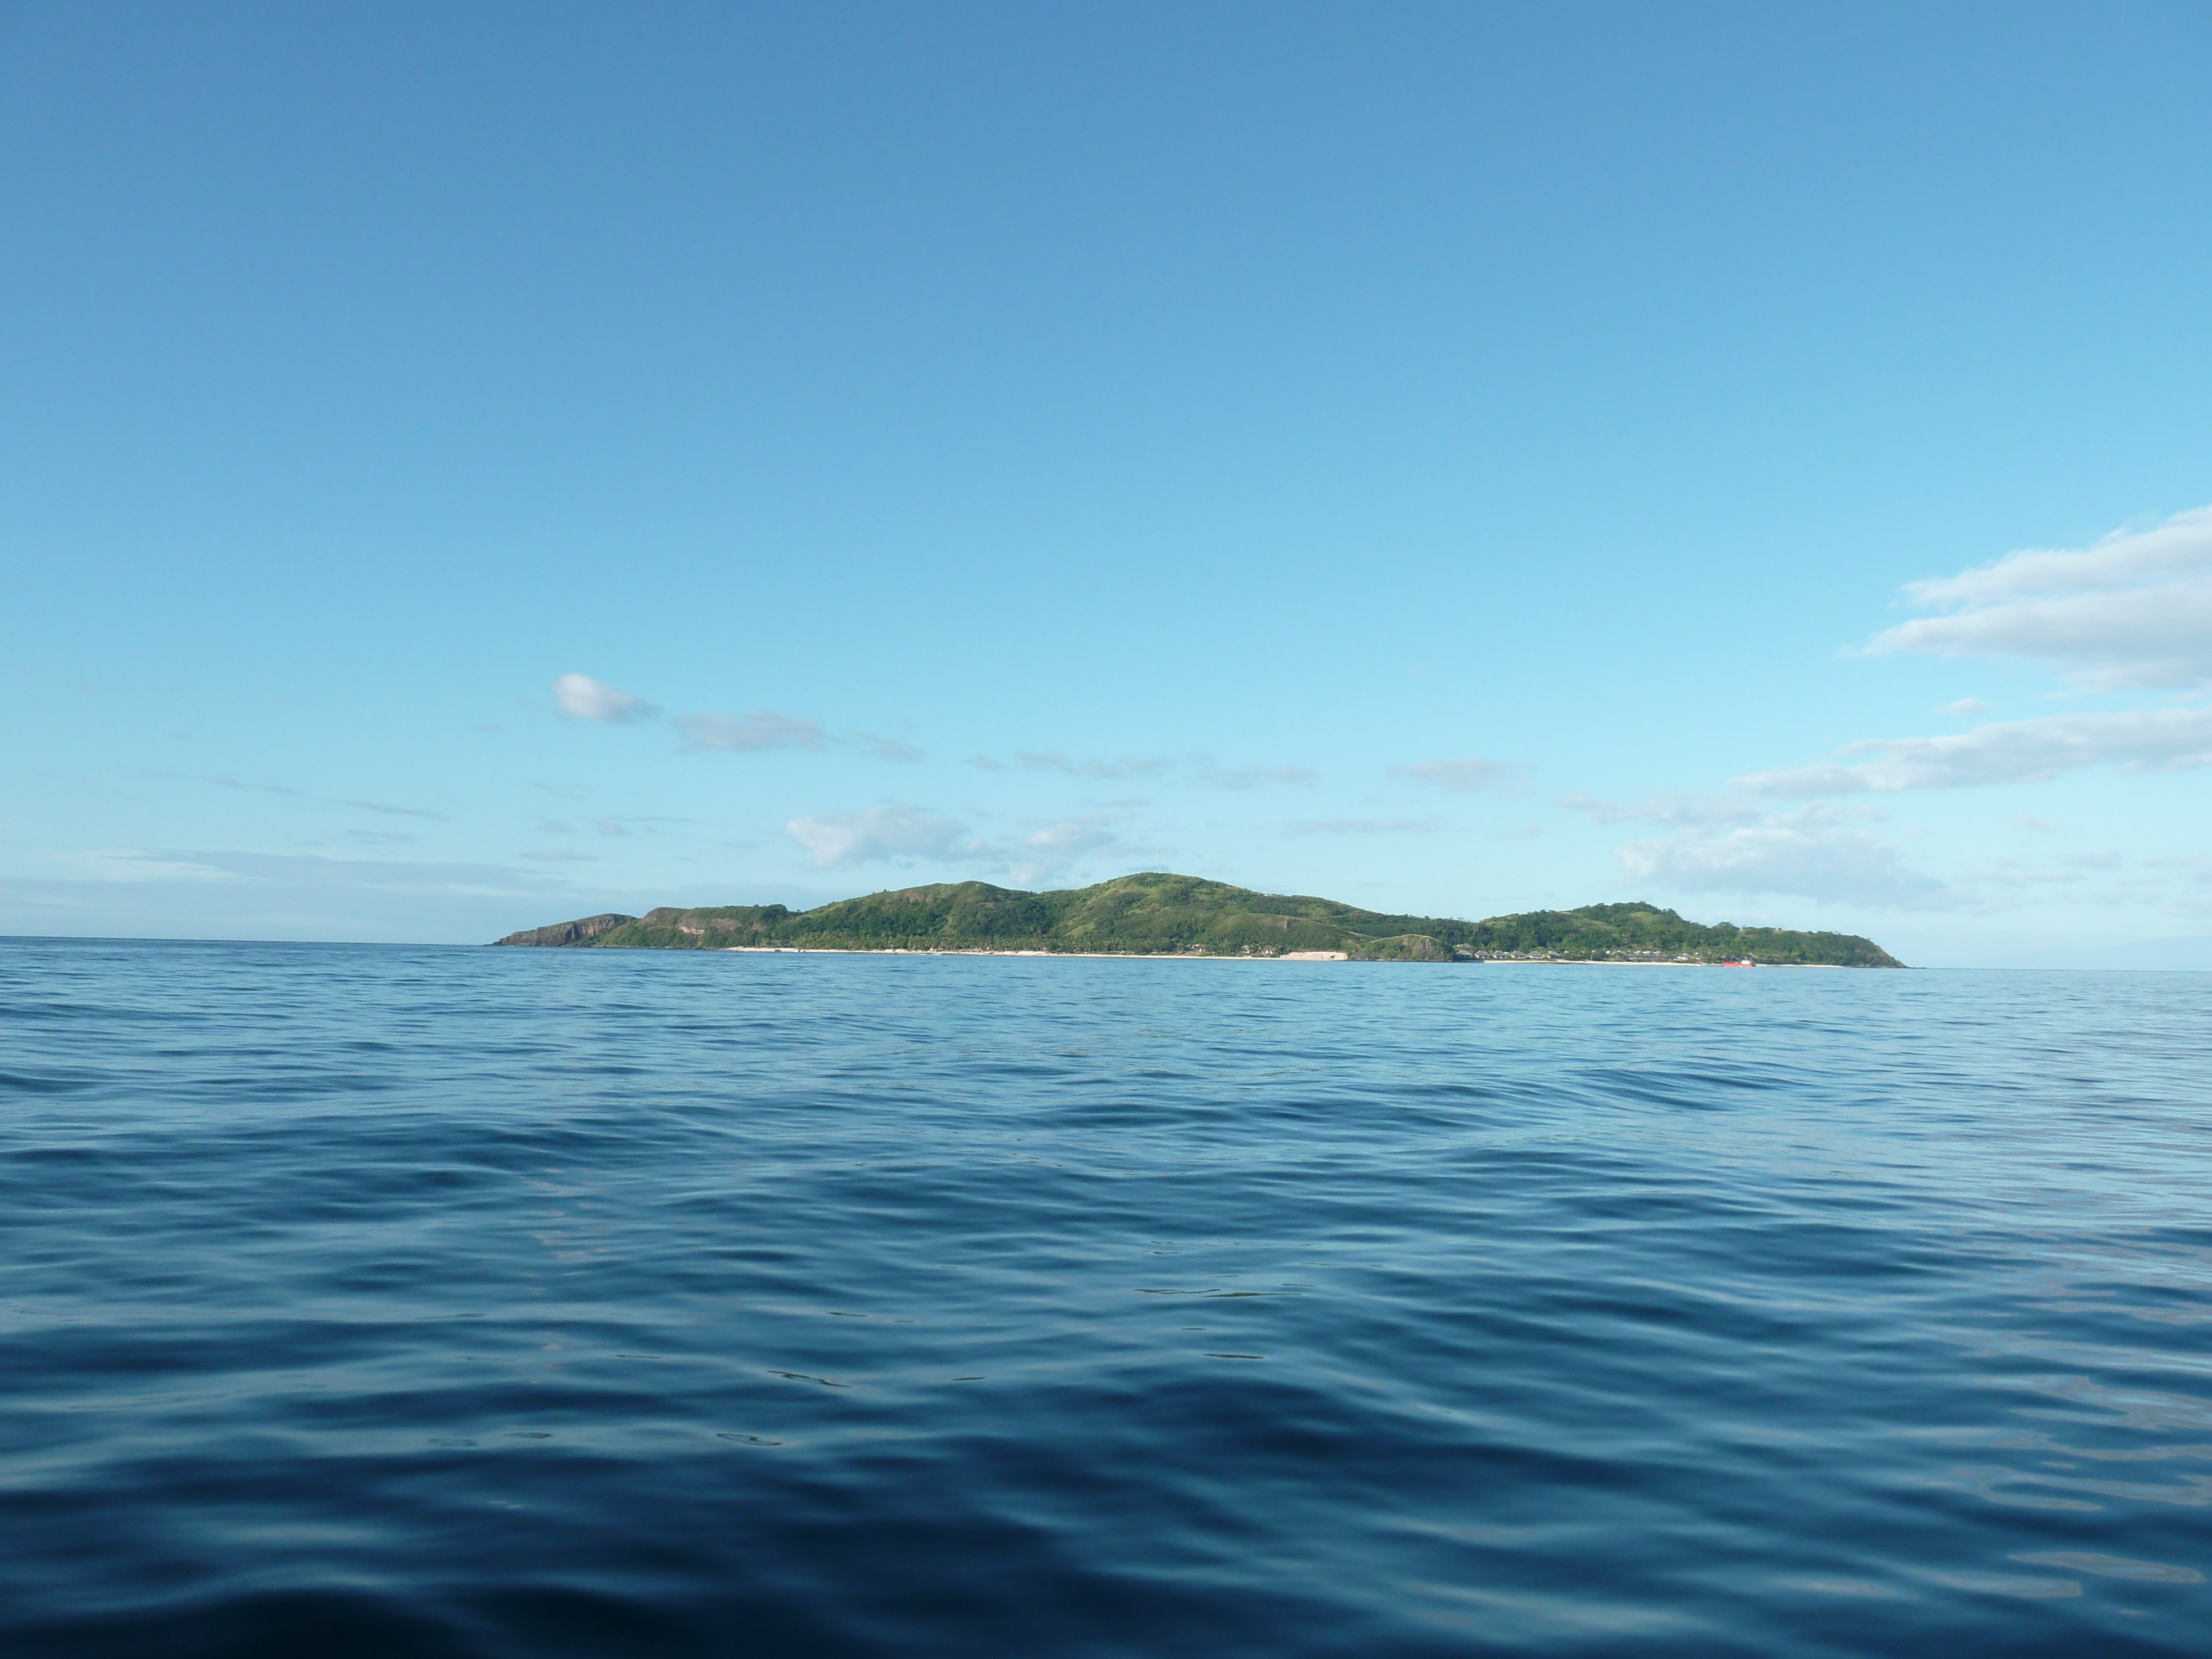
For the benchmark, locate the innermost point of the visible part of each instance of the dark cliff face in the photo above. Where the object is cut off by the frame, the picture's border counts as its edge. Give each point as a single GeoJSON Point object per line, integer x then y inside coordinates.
{"type": "Point", "coordinates": [567, 933]}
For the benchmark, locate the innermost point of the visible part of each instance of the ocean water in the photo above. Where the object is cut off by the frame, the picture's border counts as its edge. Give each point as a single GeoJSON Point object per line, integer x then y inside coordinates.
{"type": "Point", "coordinates": [375, 1300]}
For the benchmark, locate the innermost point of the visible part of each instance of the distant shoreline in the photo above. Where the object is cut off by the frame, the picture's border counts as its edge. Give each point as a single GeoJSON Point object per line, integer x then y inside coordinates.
{"type": "Point", "coordinates": [1204, 956]}
{"type": "Point", "coordinates": [1108, 955]}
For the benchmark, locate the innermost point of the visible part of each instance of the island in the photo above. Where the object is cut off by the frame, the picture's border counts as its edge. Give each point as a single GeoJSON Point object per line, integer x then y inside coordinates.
{"type": "Point", "coordinates": [1153, 914]}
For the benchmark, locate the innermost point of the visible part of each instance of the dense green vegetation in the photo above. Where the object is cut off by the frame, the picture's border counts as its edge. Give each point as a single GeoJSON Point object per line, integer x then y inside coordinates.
{"type": "Point", "coordinates": [1164, 915]}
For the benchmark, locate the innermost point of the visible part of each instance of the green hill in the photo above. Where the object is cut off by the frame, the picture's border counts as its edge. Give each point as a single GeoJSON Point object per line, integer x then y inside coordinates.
{"type": "Point", "coordinates": [1152, 914]}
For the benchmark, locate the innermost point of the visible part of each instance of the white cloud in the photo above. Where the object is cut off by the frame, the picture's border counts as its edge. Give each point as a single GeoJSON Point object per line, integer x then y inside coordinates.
{"type": "Point", "coordinates": [2010, 752]}
{"type": "Point", "coordinates": [588, 699]}
{"type": "Point", "coordinates": [746, 733]}
{"type": "Point", "coordinates": [1462, 776]}
{"type": "Point", "coordinates": [1820, 852]}
{"type": "Point", "coordinates": [878, 833]}
{"type": "Point", "coordinates": [1361, 827]}
{"type": "Point", "coordinates": [2133, 611]}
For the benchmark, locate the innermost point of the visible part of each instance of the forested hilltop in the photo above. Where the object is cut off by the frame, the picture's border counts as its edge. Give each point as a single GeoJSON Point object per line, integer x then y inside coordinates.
{"type": "Point", "coordinates": [1153, 914]}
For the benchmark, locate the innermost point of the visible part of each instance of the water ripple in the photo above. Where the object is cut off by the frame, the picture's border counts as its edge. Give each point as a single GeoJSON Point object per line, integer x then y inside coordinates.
{"type": "Point", "coordinates": [373, 1300]}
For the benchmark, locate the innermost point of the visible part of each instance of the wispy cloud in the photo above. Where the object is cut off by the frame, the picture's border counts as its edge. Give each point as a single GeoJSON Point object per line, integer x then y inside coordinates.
{"type": "Point", "coordinates": [1667, 806]}
{"type": "Point", "coordinates": [547, 855]}
{"type": "Point", "coordinates": [1044, 852]}
{"type": "Point", "coordinates": [168, 863]}
{"type": "Point", "coordinates": [1128, 767]}
{"type": "Point", "coordinates": [1202, 769]}
{"type": "Point", "coordinates": [1227, 777]}
{"type": "Point", "coordinates": [1462, 776]}
{"type": "Point", "coordinates": [884, 749]}
{"type": "Point", "coordinates": [882, 834]}
{"type": "Point", "coordinates": [765, 729]}
{"type": "Point", "coordinates": [746, 733]}
{"type": "Point", "coordinates": [2010, 752]}
{"type": "Point", "coordinates": [394, 812]}
{"type": "Point", "coordinates": [1968, 705]}
{"type": "Point", "coordinates": [200, 893]}
{"type": "Point", "coordinates": [902, 833]}
{"type": "Point", "coordinates": [2135, 610]}
{"type": "Point", "coordinates": [223, 781]}
{"type": "Point", "coordinates": [584, 698]}
{"type": "Point", "coordinates": [1361, 827]}
{"type": "Point", "coordinates": [1819, 851]}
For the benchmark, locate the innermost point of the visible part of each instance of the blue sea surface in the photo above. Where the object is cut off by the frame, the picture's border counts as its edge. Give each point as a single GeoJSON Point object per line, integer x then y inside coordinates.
{"type": "Point", "coordinates": [385, 1300]}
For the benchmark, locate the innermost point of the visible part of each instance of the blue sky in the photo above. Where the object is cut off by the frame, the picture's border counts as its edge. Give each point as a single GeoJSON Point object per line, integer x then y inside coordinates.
{"type": "Point", "coordinates": [466, 467]}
